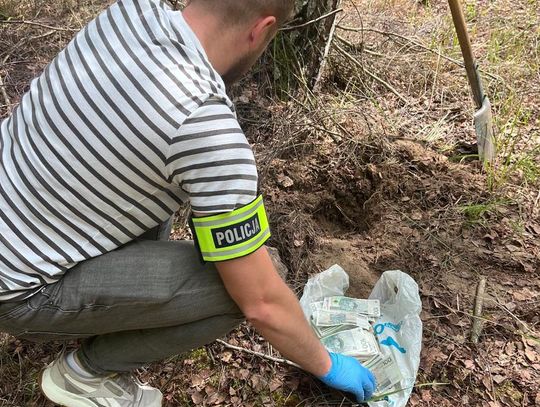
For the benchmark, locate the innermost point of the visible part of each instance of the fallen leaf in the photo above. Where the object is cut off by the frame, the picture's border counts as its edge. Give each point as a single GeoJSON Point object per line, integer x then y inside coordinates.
{"type": "Point", "coordinates": [469, 364]}
{"type": "Point", "coordinates": [243, 373]}
{"type": "Point", "coordinates": [426, 395]}
{"type": "Point", "coordinates": [256, 381]}
{"type": "Point", "coordinates": [512, 248]}
{"type": "Point", "coordinates": [525, 375]}
{"type": "Point", "coordinates": [285, 181]}
{"type": "Point", "coordinates": [197, 381]}
{"type": "Point", "coordinates": [531, 354]}
{"type": "Point", "coordinates": [486, 380]}
{"type": "Point", "coordinates": [511, 306]}
{"type": "Point", "coordinates": [416, 216]}
{"type": "Point", "coordinates": [534, 228]}
{"type": "Point", "coordinates": [275, 384]}
{"type": "Point", "coordinates": [414, 400]}
{"type": "Point", "coordinates": [197, 398]}
{"type": "Point", "coordinates": [498, 379]}
{"type": "Point", "coordinates": [519, 296]}
{"type": "Point", "coordinates": [226, 356]}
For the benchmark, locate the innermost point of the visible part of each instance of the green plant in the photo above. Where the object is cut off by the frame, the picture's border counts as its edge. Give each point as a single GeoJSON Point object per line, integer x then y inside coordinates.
{"type": "Point", "coordinates": [477, 213]}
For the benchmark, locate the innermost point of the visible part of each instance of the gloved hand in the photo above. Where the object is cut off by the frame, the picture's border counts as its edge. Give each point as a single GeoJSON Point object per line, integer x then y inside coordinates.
{"type": "Point", "coordinates": [348, 374]}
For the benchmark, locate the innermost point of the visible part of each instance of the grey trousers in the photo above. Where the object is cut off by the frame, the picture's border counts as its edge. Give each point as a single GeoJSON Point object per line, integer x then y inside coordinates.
{"type": "Point", "coordinates": [141, 303]}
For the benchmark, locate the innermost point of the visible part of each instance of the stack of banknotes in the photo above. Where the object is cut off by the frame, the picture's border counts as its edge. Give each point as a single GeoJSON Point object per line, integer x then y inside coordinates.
{"type": "Point", "coordinates": [338, 314]}
{"type": "Point", "coordinates": [344, 326]}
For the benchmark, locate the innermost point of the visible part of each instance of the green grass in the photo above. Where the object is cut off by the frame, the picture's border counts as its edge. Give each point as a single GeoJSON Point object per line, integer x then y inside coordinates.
{"type": "Point", "coordinates": [480, 213]}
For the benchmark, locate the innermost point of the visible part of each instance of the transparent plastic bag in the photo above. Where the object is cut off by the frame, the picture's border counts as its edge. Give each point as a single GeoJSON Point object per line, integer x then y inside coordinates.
{"type": "Point", "coordinates": [332, 282]}
{"type": "Point", "coordinates": [398, 330]}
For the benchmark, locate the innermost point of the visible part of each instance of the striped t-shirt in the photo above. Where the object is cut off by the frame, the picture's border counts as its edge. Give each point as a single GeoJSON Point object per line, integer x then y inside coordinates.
{"type": "Point", "coordinates": [125, 124]}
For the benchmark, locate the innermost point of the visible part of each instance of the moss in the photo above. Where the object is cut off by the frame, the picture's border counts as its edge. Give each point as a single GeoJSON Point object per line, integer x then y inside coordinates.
{"type": "Point", "coordinates": [200, 358]}
{"type": "Point", "coordinates": [507, 389]}
{"type": "Point", "coordinates": [285, 400]}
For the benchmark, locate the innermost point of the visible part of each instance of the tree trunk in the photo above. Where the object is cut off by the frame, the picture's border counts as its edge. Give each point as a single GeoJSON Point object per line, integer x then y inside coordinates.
{"type": "Point", "coordinates": [294, 58]}
{"type": "Point", "coordinates": [311, 40]}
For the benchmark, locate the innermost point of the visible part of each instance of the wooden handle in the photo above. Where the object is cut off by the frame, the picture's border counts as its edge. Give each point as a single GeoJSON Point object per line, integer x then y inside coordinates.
{"type": "Point", "coordinates": [466, 50]}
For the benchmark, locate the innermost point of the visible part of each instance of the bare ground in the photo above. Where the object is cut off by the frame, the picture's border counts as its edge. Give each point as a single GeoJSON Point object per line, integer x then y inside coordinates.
{"type": "Point", "coordinates": [371, 178]}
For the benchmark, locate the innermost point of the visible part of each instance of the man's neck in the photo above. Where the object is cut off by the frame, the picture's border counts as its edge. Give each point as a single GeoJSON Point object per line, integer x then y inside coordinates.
{"type": "Point", "coordinates": [213, 39]}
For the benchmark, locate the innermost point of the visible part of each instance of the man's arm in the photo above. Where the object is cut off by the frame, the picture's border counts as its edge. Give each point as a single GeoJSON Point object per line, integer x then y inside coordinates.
{"type": "Point", "coordinates": [273, 309]}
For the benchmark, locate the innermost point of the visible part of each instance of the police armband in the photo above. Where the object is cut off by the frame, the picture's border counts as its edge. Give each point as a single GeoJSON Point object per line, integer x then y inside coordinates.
{"type": "Point", "coordinates": [231, 235]}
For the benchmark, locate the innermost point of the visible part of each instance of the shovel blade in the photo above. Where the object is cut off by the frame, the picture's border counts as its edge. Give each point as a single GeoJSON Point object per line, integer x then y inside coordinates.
{"type": "Point", "coordinates": [483, 123]}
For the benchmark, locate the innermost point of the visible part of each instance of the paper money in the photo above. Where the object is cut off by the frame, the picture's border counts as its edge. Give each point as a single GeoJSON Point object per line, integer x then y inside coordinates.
{"type": "Point", "coordinates": [371, 308]}
{"type": "Point", "coordinates": [323, 332]}
{"type": "Point", "coordinates": [386, 371]}
{"type": "Point", "coordinates": [315, 306]}
{"type": "Point", "coordinates": [326, 318]}
{"type": "Point", "coordinates": [354, 342]}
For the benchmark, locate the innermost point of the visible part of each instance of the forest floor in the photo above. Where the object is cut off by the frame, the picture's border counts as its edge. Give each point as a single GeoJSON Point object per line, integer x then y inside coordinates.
{"type": "Point", "coordinates": [373, 172]}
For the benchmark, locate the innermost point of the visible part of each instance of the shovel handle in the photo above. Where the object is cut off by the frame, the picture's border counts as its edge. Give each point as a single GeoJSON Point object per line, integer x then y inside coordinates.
{"type": "Point", "coordinates": [466, 50]}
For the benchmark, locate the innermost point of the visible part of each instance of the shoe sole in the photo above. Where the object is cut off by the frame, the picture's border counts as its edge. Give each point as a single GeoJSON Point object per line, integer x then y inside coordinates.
{"type": "Point", "coordinates": [59, 396]}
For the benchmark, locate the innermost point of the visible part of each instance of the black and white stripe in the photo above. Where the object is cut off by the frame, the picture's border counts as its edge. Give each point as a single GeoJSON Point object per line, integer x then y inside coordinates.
{"type": "Point", "coordinates": [126, 123]}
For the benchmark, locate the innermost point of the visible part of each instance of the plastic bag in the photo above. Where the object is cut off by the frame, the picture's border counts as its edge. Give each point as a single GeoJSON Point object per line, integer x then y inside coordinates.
{"type": "Point", "coordinates": [332, 282]}
{"type": "Point", "coordinates": [398, 330]}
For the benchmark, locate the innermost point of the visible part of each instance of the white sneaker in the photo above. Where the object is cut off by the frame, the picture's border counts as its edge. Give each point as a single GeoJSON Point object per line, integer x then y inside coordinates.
{"type": "Point", "coordinates": [62, 385]}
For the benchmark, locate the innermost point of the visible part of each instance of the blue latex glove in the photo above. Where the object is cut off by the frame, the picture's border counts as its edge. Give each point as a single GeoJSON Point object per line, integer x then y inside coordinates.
{"type": "Point", "coordinates": [348, 374]}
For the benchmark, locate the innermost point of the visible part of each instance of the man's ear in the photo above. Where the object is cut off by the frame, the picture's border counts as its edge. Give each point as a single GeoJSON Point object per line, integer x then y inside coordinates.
{"type": "Point", "coordinates": [264, 28]}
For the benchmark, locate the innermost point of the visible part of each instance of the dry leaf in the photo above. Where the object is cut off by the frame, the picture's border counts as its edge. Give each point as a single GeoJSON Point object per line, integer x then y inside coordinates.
{"type": "Point", "coordinates": [197, 381]}
{"type": "Point", "coordinates": [416, 216]}
{"type": "Point", "coordinates": [226, 357]}
{"type": "Point", "coordinates": [519, 296]}
{"type": "Point", "coordinates": [426, 395]}
{"type": "Point", "coordinates": [469, 364]}
{"type": "Point", "coordinates": [275, 384]}
{"type": "Point", "coordinates": [498, 379]}
{"type": "Point", "coordinates": [414, 400]}
{"type": "Point", "coordinates": [197, 398]}
{"type": "Point", "coordinates": [531, 354]}
{"type": "Point", "coordinates": [243, 373]}
{"type": "Point", "coordinates": [486, 380]}
{"type": "Point", "coordinates": [285, 181]}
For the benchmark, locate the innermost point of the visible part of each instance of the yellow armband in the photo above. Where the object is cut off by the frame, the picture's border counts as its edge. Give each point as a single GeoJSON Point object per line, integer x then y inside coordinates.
{"type": "Point", "coordinates": [231, 235]}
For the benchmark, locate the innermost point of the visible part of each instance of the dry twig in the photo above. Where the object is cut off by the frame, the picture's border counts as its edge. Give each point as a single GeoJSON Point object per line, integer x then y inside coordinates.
{"type": "Point", "coordinates": [417, 44]}
{"type": "Point", "coordinates": [34, 23]}
{"type": "Point", "coordinates": [294, 27]}
{"type": "Point", "coordinates": [259, 354]}
{"type": "Point", "coordinates": [4, 93]}
{"type": "Point", "coordinates": [478, 304]}
{"type": "Point", "coordinates": [322, 66]}
{"type": "Point", "coordinates": [372, 75]}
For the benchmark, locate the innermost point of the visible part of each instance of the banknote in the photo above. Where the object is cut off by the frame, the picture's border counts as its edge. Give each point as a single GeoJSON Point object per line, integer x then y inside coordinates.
{"type": "Point", "coordinates": [386, 371]}
{"type": "Point", "coordinates": [355, 342]}
{"type": "Point", "coordinates": [371, 308]}
{"type": "Point", "coordinates": [316, 306]}
{"type": "Point", "coordinates": [323, 332]}
{"type": "Point", "coordinates": [326, 318]}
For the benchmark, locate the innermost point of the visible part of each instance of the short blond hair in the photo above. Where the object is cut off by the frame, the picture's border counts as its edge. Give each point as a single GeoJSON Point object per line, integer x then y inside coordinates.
{"type": "Point", "coordinates": [238, 11]}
